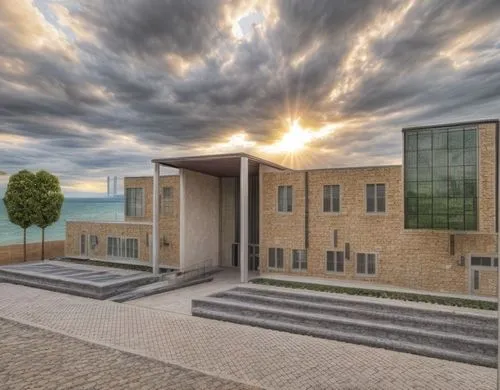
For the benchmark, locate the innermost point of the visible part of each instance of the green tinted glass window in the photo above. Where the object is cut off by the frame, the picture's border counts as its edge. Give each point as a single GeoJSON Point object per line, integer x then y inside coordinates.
{"type": "Point", "coordinates": [441, 178]}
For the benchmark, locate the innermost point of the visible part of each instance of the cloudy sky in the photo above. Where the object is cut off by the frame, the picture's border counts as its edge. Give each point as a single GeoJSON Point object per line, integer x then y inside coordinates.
{"type": "Point", "coordinates": [99, 87]}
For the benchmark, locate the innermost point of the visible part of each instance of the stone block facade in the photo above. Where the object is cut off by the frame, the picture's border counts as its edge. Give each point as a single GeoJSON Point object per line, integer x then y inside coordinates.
{"type": "Point", "coordinates": [134, 227]}
{"type": "Point", "coordinates": [432, 260]}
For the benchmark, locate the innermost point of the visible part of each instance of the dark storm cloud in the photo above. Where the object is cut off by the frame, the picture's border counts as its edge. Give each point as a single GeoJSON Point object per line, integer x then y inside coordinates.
{"type": "Point", "coordinates": [113, 83]}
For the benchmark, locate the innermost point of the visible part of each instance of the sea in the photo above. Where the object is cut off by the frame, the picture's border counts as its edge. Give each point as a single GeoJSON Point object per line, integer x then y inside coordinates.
{"type": "Point", "coordinates": [73, 209]}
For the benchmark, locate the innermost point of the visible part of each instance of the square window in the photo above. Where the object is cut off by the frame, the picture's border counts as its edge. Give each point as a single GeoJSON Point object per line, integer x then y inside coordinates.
{"type": "Point", "coordinates": [411, 141]}
{"type": "Point", "coordinates": [470, 188]}
{"type": "Point", "coordinates": [412, 205]}
{"type": "Point", "coordinates": [411, 189]}
{"type": "Point", "coordinates": [456, 206]}
{"type": "Point", "coordinates": [456, 157]}
{"type": "Point", "coordinates": [456, 222]}
{"type": "Point", "coordinates": [425, 206]}
{"type": "Point", "coordinates": [457, 173]}
{"type": "Point", "coordinates": [299, 259]}
{"type": "Point", "coordinates": [440, 206]}
{"type": "Point", "coordinates": [470, 222]}
{"type": "Point", "coordinates": [425, 189]}
{"type": "Point", "coordinates": [456, 139]}
{"type": "Point", "coordinates": [470, 205]}
{"type": "Point", "coordinates": [440, 140]}
{"type": "Point", "coordinates": [440, 173]}
{"type": "Point", "coordinates": [440, 158]}
{"type": "Point", "coordinates": [470, 172]}
{"type": "Point", "coordinates": [424, 140]}
{"type": "Point", "coordinates": [470, 156]}
{"type": "Point", "coordinates": [411, 174]}
{"type": "Point", "coordinates": [411, 160]}
{"type": "Point", "coordinates": [456, 188]}
{"type": "Point", "coordinates": [424, 158]}
{"type": "Point", "coordinates": [424, 221]}
{"type": "Point", "coordinates": [424, 174]}
{"type": "Point", "coordinates": [285, 199]}
{"type": "Point", "coordinates": [440, 188]}
{"type": "Point", "coordinates": [411, 221]}
{"type": "Point", "coordinates": [470, 138]}
{"type": "Point", "coordinates": [440, 221]}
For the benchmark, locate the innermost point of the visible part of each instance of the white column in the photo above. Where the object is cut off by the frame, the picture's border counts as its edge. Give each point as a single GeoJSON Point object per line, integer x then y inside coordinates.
{"type": "Point", "coordinates": [156, 219]}
{"type": "Point", "coordinates": [244, 219]}
{"type": "Point", "coordinates": [182, 219]}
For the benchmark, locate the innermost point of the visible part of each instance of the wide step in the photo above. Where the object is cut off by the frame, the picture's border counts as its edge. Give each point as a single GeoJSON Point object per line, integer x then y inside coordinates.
{"type": "Point", "coordinates": [464, 337]}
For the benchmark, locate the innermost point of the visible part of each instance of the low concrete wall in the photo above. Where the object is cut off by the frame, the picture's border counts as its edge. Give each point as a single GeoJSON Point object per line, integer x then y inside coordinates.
{"type": "Point", "coordinates": [14, 253]}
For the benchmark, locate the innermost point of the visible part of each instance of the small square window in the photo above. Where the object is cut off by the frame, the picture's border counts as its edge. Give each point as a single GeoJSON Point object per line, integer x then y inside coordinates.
{"type": "Point", "coordinates": [375, 198]}
{"type": "Point", "coordinates": [285, 199]}
{"type": "Point", "coordinates": [275, 260]}
{"type": "Point", "coordinates": [366, 264]}
{"type": "Point", "coordinates": [299, 260]}
{"type": "Point", "coordinates": [335, 261]}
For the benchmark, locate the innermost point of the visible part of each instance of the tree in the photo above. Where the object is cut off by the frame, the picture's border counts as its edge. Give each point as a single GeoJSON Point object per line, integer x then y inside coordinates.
{"type": "Point", "coordinates": [49, 199]}
{"type": "Point", "coordinates": [20, 201]}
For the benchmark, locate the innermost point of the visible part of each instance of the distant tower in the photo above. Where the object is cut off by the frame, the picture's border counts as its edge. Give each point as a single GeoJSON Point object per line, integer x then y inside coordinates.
{"type": "Point", "coordinates": [115, 185]}
{"type": "Point", "coordinates": [109, 186]}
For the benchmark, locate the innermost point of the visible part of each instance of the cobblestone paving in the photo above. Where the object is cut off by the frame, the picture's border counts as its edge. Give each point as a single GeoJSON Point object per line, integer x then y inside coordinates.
{"type": "Point", "coordinates": [255, 356]}
{"type": "Point", "coordinates": [32, 358]}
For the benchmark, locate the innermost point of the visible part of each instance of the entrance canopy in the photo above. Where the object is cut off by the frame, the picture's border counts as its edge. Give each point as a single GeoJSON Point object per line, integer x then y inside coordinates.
{"type": "Point", "coordinates": [221, 165]}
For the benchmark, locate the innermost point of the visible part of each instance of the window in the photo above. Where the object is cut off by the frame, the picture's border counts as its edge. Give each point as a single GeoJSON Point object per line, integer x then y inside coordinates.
{"type": "Point", "coordinates": [93, 241]}
{"type": "Point", "coordinates": [440, 178]}
{"type": "Point", "coordinates": [299, 260]}
{"type": "Point", "coordinates": [331, 198]}
{"type": "Point", "coordinates": [134, 202]}
{"type": "Point", "coordinates": [285, 199]}
{"type": "Point", "coordinates": [334, 261]}
{"type": "Point", "coordinates": [375, 198]}
{"type": "Point", "coordinates": [275, 260]}
{"type": "Point", "coordinates": [484, 261]}
{"type": "Point", "coordinates": [167, 201]}
{"type": "Point", "coordinates": [83, 244]}
{"type": "Point", "coordinates": [366, 264]}
{"type": "Point", "coordinates": [127, 248]}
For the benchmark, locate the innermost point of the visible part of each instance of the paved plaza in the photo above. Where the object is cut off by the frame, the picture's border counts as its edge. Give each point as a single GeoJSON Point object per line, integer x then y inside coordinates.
{"type": "Point", "coordinates": [230, 352]}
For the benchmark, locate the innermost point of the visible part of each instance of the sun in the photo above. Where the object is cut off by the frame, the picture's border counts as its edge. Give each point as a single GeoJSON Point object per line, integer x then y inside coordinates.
{"type": "Point", "coordinates": [297, 138]}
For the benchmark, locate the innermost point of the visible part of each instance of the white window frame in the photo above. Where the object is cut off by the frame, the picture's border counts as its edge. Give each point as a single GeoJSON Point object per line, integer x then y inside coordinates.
{"type": "Point", "coordinates": [375, 212]}
{"type": "Point", "coordinates": [167, 203]}
{"type": "Point", "coordinates": [275, 250]}
{"type": "Point", "coordinates": [331, 200]}
{"type": "Point", "coordinates": [287, 187]}
{"type": "Point", "coordinates": [300, 269]}
{"type": "Point", "coordinates": [122, 248]}
{"type": "Point", "coordinates": [335, 253]}
{"type": "Point", "coordinates": [365, 273]}
{"type": "Point", "coordinates": [135, 206]}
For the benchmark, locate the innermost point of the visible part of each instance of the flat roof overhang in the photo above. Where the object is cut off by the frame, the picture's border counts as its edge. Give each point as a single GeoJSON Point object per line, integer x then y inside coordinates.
{"type": "Point", "coordinates": [221, 165]}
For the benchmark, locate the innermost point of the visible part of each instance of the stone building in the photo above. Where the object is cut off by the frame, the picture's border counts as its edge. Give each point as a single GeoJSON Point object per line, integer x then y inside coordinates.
{"type": "Point", "coordinates": [430, 223]}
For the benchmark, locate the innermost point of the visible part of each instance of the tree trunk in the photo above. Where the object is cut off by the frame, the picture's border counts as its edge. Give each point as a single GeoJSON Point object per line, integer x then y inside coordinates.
{"type": "Point", "coordinates": [24, 244]}
{"type": "Point", "coordinates": [43, 243]}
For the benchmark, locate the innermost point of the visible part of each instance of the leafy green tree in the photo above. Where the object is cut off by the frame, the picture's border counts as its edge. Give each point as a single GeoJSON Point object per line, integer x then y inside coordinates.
{"type": "Point", "coordinates": [49, 199]}
{"type": "Point", "coordinates": [20, 201]}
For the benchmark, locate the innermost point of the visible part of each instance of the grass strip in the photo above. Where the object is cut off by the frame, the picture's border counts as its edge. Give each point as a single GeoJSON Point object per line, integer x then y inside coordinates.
{"type": "Point", "coordinates": [403, 296]}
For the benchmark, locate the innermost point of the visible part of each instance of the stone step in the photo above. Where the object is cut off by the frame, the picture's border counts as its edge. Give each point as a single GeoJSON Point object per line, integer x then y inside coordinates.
{"type": "Point", "coordinates": [449, 324]}
{"type": "Point", "coordinates": [328, 326]}
{"type": "Point", "coordinates": [470, 319]}
{"type": "Point", "coordinates": [87, 289]}
{"type": "Point", "coordinates": [350, 337]}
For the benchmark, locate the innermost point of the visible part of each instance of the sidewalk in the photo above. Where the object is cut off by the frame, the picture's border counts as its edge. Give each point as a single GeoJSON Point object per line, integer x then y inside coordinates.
{"type": "Point", "coordinates": [244, 354]}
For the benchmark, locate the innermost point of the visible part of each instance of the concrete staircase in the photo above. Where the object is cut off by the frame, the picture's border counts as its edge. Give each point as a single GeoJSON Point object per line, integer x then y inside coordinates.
{"type": "Point", "coordinates": [464, 337]}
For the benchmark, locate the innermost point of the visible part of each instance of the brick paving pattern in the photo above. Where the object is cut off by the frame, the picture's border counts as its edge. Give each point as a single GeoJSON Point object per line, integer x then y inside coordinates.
{"type": "Point", "coordinates": [32, 358]}
{"type": "Point", "coordinates": [254, 356]}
